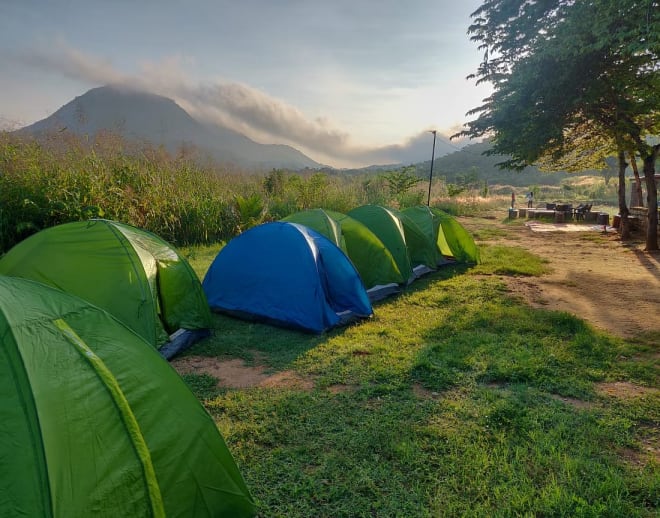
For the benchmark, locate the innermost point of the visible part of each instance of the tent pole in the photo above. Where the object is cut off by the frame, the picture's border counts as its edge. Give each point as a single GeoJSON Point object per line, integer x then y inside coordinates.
{"type": "Point", "coordinates": [428, 201]}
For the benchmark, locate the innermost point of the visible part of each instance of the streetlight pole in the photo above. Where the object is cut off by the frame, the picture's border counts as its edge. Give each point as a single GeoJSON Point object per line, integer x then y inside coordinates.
{"type": "Point", "coordinates": [428, 201]}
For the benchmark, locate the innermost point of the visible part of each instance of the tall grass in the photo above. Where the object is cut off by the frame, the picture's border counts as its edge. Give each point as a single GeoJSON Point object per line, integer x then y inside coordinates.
{"type": "Point", "coordinates": [44, 184]}
{"type": "Point", "coordinates": [65, 178]}
{"type": "Point", "coordinates": [61, 178]}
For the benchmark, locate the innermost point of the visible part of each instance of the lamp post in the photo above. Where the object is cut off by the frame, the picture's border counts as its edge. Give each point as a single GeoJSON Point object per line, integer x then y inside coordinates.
{"type": "Point", "coordinates": [428, 201]}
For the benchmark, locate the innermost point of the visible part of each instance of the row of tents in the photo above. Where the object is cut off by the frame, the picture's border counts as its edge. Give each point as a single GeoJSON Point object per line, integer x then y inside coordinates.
{"type": "Point", "coordinates": [95, 420]}
{"type": "Point", "coordinates": [317, 269]}
{"type": "Point", "coordinates": [312, 270]}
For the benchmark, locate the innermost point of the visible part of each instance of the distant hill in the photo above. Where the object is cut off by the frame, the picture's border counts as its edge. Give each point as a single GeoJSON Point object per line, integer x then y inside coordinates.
{"type": "Point", "coordinates": [471, 162]}
{"type": "Point", "coordinates": [470, 166]}
{"type": "Point", "coordinates": [160, 121]}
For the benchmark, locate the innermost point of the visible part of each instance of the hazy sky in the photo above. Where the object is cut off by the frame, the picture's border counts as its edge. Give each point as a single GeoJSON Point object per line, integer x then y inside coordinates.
{"type": "Point", "coordinates": [348, 82]}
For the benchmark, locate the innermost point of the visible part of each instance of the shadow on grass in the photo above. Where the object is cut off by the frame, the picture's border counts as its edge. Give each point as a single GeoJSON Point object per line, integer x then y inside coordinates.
{"type": "Point", "coordinates": [486, 435]}
{"type": "Point", "coordinates": [255, 342]}
{"type": "Point", "coordinates": [488, 337]}
{"type": "Point", "coordinates": [277, 347]}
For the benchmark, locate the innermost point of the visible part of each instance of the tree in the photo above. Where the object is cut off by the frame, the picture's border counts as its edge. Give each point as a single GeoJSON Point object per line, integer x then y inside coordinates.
{"type": "Point", "coordinates": [565, 70]}
{"type": "Point", "coordinates": [638, 180]}
{"type": "Point", "coordinates": [274, 182]}
{"type": "Point", "coordinates": [400, 182]}
{"type": "Point", "coordinates": [309, 191]}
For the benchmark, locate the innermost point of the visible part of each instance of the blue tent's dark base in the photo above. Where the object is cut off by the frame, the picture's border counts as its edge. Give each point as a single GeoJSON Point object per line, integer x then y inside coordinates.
{"type": "Point", "coordinates": [250, 317]}
{"type": "Point", "coordinates": [345, 318]}
{"type": "Point", "coordinates": [348, 317]}
{"type": "Point", "coordinates": [382, 291]}
{"type": "Point", "coordinates": [181, 340]}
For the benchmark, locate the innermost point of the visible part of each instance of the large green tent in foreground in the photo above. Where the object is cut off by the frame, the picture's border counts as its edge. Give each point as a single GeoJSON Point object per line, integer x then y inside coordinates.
{"type": "Point", "coordinates": [93, 422]}
{"type": "Point", "coordinates": [135, 275]}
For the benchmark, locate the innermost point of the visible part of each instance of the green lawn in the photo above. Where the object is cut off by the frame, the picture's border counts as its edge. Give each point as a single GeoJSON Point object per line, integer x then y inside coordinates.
{"type": "Point", "coordinates": [455, 399]}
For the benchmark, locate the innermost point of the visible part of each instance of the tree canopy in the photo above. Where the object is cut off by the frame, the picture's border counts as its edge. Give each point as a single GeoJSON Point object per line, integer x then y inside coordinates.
{"type": "Point", "coordinates": [566, 73]}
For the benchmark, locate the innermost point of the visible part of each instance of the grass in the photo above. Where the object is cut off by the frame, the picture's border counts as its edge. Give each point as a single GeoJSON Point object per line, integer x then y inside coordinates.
{"type": "Point", "coordinates": [455, 399]}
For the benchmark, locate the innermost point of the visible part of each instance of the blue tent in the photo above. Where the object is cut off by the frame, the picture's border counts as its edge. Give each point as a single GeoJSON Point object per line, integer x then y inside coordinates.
{"type": "Point", "coordinates": [286, 274]}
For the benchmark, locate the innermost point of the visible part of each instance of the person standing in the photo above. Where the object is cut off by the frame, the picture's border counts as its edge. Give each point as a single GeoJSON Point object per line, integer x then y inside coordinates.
{"type": "Point", "coordinates": [513, 199]}
{"type": "Point", "coordinates": [530, 199]}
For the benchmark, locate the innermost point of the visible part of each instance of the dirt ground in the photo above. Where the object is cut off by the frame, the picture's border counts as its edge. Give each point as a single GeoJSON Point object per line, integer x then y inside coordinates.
{"type": "Point", "coordinates": [611, 284]}
{"type": "Point", "coordinates": [235, 373]}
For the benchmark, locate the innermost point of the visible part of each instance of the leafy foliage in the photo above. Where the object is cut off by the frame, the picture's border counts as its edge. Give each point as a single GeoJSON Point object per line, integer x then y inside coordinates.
{"type": "Point", "coordinates": [250, 211]}
{"type": "Point", "coordinates": [401, 181]}
{"type": "Point", "coordinates": [399, 184]}
{"type": "Point", "coordinates": [588, 54]}
{"type": "Point", "coordinates": [599, 64]}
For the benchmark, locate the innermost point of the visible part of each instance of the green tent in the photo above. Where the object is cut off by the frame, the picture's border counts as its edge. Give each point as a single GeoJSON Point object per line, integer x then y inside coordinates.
{"type": "Point", "coordinates": [421, 246]}
{"type": "Point", "coordinates": [133, 274]}
{"type": "Point", "coordinates": [389, 229]}
{"type": "Point", "coordinates": [452, 239]}
{"type": "Point", "coordinates": [371, 258]}
{"type": "Point", "coordinates": [321, 221]}
{"type": "Point", "coordinates": [94, 422]}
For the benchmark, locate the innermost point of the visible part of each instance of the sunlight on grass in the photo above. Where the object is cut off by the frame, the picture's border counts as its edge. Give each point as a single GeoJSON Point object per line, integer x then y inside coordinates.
{"type": "Point", "coordinates": [488, 233]}
{"type": "Point", "coordinates": [200, 257]}
{"type": "Point", "coordinates": [507, 260]}
{"type": "Point", "coordinates": [452, 405]}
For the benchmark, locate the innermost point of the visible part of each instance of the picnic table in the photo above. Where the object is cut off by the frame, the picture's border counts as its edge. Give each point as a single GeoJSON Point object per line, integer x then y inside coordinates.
{"type": "Point", "coordinates": [559, 212]}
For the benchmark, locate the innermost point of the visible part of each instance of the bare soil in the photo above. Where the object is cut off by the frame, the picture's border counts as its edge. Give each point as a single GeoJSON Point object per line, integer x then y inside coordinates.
{"type": "Point", "coordinates": [611, 284]}
{"type": "Point", "coordinates": [235, 373]}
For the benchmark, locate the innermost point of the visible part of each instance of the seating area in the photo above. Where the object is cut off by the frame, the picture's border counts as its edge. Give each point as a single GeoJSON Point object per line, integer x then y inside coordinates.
{"type": "Point", "coordinates": [582, 209]}
{"type": "Point", "coordinates": [559, 212]}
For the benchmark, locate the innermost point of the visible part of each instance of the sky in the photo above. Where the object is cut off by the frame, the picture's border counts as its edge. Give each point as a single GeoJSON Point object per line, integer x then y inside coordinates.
{"type": "Point", "coordinates": [348, 82]}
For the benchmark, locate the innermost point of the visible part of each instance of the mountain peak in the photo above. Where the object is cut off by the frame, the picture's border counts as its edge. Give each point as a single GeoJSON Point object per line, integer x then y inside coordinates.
{"type": "Point", "coordinates": [136, 114]}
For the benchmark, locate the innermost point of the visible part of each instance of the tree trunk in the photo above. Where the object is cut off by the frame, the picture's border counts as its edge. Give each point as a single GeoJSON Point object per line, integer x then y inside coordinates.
{"type": "Point", "coordinates": [624, 225]}
{"type": "Point", "coordinates": [638, 180]}
{"type": "Point", "coordinates": [651, 199]}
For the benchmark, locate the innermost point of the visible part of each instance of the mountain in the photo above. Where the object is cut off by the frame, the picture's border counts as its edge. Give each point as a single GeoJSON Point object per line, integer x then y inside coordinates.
{"type": "Point", "coordinates": [160, 121]}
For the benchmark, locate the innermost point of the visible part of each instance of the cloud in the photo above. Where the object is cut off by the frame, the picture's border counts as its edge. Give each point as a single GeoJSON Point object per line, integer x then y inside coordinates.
{"type": "Point", "coordinates": [251, 110]}
{"type": "Point", "coordinates": [416, 149]}
{"type": "Point", "coordinates": [238, 106]}
{"type": "Point", "coordinates": [70, 63]}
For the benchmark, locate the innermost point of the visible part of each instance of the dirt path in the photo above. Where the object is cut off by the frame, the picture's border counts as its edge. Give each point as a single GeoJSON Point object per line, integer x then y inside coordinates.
{"type": "Point", "coordinates": [613, 285]}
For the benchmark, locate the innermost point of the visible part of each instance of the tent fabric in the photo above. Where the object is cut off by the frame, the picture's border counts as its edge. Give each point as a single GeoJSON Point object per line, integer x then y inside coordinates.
{"type": "Point", "coordinates": [93, 422]}
{"type": "Point", "coordinates": [131, 273]}
{"type": "Point", "coordinates": [451, 238]}
{"type": "Point", "coordinates": [322, 222]}
{"type": "Point", "coordinates": [287, 274]}
{"type": "Point", "coordinates": [460, 242]}
{"type": "Point", "coordinates": [371, 258]}
{"type": "Point", "coordinates": [387, 226]}
{"type": "Point", "coordinates": [429, 223]}
{"type": "Point", "coordinates": [421, 246]}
